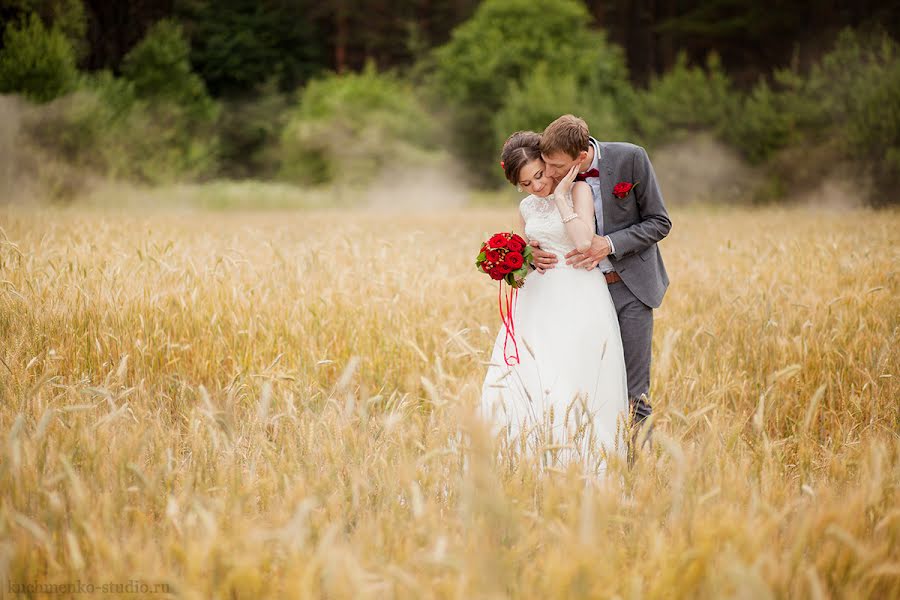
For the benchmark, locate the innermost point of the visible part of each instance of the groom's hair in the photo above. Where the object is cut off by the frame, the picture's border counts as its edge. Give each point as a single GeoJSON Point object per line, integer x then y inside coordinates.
{"type": "Point", "coordinates": [567, 134]}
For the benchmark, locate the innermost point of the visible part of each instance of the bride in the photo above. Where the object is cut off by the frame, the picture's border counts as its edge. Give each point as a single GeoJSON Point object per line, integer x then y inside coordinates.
{"type": "Point", "coordinates": [566, 399]}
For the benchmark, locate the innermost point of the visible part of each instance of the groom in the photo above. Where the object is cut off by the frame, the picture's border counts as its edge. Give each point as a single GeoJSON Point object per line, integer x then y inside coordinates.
{"type": "Point", "coordinates": [630, 219]}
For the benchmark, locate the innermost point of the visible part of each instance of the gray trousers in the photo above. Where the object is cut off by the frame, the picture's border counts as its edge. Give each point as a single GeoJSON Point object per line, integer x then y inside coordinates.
{"type": "Point", "coordinates": [636, 326]}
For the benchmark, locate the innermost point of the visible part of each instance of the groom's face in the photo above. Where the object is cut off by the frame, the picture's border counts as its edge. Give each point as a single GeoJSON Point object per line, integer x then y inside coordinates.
{"type": "Point", "coordinates": [559, 163]}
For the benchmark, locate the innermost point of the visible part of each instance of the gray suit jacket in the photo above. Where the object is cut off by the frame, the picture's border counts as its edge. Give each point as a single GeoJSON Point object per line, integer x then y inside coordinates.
{"type": "Point", "coordinates": [635, 223]}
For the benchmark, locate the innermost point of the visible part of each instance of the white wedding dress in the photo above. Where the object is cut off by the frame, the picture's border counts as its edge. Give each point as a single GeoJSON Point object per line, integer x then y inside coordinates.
{"type": "Point", "coordinates": [567, 398]}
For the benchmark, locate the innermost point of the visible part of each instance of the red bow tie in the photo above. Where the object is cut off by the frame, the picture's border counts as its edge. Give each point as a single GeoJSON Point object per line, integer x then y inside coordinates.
{"type": "Point", "coordinates": [586, 174]}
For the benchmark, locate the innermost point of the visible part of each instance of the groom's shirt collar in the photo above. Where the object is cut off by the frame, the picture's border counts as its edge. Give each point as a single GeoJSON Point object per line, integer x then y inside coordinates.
{"type": "Point", "coordinates": [596, 162]}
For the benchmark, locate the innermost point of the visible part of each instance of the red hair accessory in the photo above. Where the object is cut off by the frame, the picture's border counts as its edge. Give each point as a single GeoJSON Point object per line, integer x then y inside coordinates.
{"type": "Point", "coordinates": [502, 166]}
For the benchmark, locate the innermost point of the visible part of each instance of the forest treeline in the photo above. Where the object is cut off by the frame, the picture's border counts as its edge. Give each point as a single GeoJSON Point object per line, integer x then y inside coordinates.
{"type": "Point", "coordinates": [302, 91]}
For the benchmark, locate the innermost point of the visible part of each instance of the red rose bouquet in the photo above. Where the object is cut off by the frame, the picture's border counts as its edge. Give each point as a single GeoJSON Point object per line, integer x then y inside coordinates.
{"type": "Point", "coordinates": [505, 257]}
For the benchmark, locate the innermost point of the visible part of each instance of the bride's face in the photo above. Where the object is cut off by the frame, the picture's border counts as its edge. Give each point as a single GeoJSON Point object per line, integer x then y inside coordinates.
{"type": "Point", "coordinates": [534, 180]}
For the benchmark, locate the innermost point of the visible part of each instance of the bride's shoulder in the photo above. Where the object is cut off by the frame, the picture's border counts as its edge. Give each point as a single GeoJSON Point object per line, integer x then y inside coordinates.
{"type": "Point", "coordinates": [527, 201]}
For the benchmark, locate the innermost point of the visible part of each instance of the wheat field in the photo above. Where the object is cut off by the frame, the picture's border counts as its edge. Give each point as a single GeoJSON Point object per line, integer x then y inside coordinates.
{"type": "Point", "coordinates": [265, 405]}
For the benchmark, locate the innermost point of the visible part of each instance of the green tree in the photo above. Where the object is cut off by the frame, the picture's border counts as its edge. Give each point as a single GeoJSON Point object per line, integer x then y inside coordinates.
{"type": "Point", "coordinates": [36, 62]}
{"type": "Point", "coordinates": [502, 46]}
{"type": "Point", "coordinates": [160, 69]}
{"type": "Point", "coordinates": [858, 83]}
{"type": "Point", "coordinates": [685, 99]}
{"type": "Point", "coordinates": [849, 102]}
{"type": "Point", "coordinates": [68, 16]}
{"type": "Point", "coordinates": [249, 133]}
{"type": "Point", "coordinates": [874, 133]}
{"type": "Point", "coordinates": [173, 106]}
{"type": "Point", "coordinates": [761, 126]}
{"type": "Point", "coordinates": [239, 45]}
{"type": "Point", "coordinates": [356, 123]}
{"type": "Point", "coordinates": [546, 94]}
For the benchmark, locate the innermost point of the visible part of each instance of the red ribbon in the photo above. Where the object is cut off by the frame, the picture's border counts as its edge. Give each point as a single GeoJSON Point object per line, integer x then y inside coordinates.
{"type": "Point", "coordinates": [508, 322]}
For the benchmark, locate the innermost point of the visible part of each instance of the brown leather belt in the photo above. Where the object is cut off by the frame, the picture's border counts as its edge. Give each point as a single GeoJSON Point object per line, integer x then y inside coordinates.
{"type": "Point", "coordinates": [612, 277]}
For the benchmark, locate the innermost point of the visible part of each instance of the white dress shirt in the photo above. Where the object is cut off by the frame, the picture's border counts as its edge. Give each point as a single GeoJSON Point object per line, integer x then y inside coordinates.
{"type": "Point", "coordinates": [604, 265]}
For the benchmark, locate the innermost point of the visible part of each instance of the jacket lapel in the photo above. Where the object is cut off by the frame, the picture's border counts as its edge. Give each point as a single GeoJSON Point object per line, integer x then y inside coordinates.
{"type": "Point", "coordinates": [606, 186]}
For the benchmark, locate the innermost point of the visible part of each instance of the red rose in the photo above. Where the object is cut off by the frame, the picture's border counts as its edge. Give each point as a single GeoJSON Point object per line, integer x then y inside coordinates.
{"type": "Point", "coordinates": [515, 245]}
{"type": "Point", "coordinates": [513, 260]}
{"type": "Point", "coordinates": [519, 239]}
{"type": "Point", "coordinates": [498, 240]}
{"type": "Point", "coordinates": [621, 189]}
{"type": "Point", "coordinates": [496, 273]}
{"type": "Point", "coordinates": [492, 255]}
{"type": "Point", "coordinates": [504, 268]}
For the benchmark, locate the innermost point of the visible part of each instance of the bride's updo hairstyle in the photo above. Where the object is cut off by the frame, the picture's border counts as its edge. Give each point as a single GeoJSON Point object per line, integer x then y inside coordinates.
{"type": "Point", "coordinates": [520, 148]}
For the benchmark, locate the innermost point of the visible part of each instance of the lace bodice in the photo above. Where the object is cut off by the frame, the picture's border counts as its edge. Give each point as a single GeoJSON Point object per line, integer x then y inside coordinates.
{"type": "Point", "coordinates": [544, 224]}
